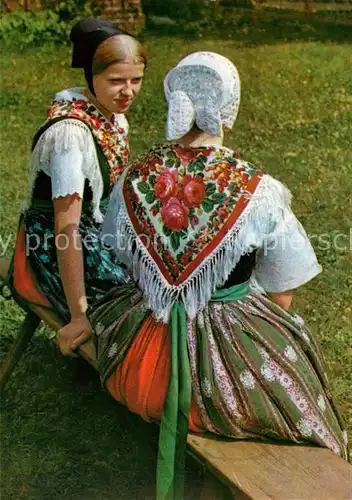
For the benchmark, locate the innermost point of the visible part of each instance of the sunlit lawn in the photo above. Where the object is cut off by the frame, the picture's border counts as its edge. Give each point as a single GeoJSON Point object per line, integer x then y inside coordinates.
{"type": "Point", "coordinates": [62, 436]}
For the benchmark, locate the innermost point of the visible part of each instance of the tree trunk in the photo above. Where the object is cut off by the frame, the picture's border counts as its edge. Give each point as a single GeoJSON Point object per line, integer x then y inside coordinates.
{"type": "Point", "coordinates": [308, 6]}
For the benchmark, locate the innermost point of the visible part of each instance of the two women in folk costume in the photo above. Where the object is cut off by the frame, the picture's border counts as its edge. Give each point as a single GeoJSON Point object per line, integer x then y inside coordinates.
{"type": "Point", "coordinates": [189, 343]}
{"type": "Point", "coordinates": [78, 155]}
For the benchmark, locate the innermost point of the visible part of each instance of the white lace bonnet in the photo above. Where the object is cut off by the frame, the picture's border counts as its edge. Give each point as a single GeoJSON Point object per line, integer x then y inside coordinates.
{"type": "Point", "coordinates": [204, 88]}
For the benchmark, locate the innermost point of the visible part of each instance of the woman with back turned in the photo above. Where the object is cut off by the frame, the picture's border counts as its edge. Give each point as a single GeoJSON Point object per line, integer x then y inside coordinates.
{"type": "Point", "coordinates": [190, 344]}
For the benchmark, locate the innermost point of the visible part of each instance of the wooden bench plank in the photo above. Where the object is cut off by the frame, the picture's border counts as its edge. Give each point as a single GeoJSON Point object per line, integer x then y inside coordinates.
{"type": "Point", "coordinates": [264, 471]}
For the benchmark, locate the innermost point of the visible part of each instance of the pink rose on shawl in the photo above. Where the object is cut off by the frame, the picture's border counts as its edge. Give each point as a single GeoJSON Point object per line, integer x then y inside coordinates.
{"type": "Point", "coordinates": [166, 184]}
{"type": "Point", "coordinates": [174, 215]}
{"type": "Point", "coordinates": [80, 103]}
{"type": "Point", "coordinates": [96, 122]}
{"type": "Point", "coordinates": [193, 191]}
{"type": "Point", "coordinates": [78, 113]}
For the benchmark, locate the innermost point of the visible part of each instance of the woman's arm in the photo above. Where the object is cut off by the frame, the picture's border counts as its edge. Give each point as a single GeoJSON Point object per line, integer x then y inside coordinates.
{"type": "Point", "coordinates": [282, 299]}
{"type": "Point", "coordinates": [67, 210]}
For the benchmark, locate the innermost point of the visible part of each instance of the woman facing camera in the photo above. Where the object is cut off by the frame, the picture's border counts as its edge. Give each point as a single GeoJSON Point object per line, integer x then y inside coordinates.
{"type": "Point", "coordinates": [190, 343]}
{"type": "Point", "coordinates": [77, 157]}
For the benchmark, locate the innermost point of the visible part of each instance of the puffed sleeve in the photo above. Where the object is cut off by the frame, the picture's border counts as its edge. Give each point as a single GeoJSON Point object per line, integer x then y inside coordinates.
{"type": "Point", "coordinates": [286, 259]}
{"type": "Point", "coordinates": [66, 152]}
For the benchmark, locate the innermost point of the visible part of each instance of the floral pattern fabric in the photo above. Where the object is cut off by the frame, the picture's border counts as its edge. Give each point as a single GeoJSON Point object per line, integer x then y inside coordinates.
{"type": "Point", "coordinates": [101, 268]}
{"type": "Point", "coordinates": [256, 372]}
{"type": "Point", "coordinates": [112, 140]}
{"type": "Point", "coordinates": [183, 201]}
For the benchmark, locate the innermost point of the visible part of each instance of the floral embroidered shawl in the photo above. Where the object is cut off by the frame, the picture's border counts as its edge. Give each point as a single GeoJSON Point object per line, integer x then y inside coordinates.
{"type": "Point", "coordinates": [176, 214]}
{"type": "Point", "coordinates": [112, 140]}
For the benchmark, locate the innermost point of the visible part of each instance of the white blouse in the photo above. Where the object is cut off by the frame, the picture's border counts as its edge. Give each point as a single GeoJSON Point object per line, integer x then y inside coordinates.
{"type": "Point", "coordinates": [66, 152]}
{"type": "Point", "coordinates": [286, 259]}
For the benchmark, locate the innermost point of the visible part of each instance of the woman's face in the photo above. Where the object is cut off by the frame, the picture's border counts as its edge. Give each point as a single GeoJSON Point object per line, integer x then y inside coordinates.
{"type": "Point", "coordinates": [118, 86]}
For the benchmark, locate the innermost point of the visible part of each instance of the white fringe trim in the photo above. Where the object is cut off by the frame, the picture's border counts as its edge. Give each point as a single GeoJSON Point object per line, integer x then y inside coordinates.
{"type": "Point", "coordinates": [65, 135]}
{"type": "Point", "coordinates": [257, 220]}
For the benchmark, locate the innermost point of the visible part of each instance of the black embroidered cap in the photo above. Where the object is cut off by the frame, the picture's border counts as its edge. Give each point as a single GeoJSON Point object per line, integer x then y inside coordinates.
{"type": "Point", "coordinates": [86, 36]}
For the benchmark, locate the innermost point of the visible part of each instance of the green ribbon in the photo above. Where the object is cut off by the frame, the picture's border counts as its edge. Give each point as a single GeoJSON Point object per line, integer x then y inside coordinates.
{"type": "Point", "coordinates": [231, 294]}
{"type": "Point", "coordinates": [174, 422]}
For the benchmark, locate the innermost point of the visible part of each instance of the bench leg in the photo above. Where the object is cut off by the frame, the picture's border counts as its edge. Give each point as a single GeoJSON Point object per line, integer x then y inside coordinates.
{"type": "Point", "coordinates": [28, 327]}
{"type": "Point", "coordinates": [213, 489]}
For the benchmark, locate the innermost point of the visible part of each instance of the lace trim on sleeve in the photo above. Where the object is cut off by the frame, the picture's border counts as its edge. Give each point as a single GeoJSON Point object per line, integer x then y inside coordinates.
{"type": "Point", "coordinates": [72, 140]}
{"type": "Point", "coordinates": [286, 260]}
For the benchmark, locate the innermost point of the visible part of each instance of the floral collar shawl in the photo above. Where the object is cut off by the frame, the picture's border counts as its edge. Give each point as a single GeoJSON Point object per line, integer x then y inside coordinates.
{"type": "Point", "coordinates": [178, 215]}
{"type": "Point", "coordinates": [112, 140]}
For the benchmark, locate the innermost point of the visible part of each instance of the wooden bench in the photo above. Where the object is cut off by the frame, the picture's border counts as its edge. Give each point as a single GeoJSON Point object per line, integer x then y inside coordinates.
{"type": "Point", "coordinates": [234, 469]}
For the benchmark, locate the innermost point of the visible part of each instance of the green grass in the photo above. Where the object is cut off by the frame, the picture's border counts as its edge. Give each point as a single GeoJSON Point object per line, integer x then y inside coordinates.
{"type": "Point", "coordinates": [62, 436]}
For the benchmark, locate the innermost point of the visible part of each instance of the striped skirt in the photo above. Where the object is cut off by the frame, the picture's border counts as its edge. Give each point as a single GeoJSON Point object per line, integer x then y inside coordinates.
{"type": "Point", "coordinates": [257, 371]}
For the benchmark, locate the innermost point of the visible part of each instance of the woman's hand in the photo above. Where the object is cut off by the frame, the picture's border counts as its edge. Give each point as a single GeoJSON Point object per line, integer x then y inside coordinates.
{"type": "Point", "coordinates": [74, 334]}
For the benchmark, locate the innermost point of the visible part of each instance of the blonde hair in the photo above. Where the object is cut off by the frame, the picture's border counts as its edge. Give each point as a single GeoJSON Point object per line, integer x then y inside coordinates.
{"type": "Point", "coordinates": [118, 48]}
